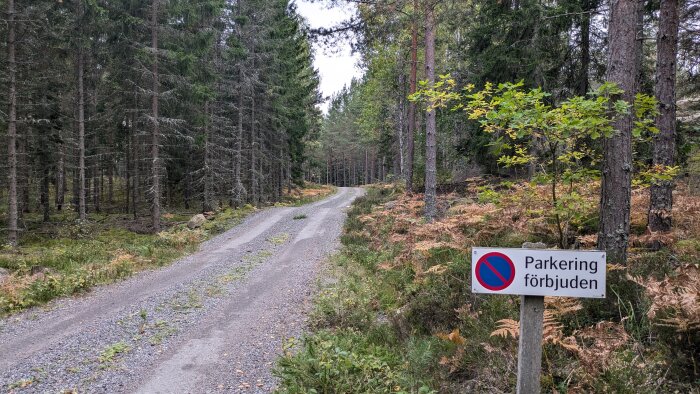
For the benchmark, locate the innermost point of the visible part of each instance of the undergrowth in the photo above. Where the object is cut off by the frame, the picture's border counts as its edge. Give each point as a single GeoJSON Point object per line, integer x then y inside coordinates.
{"type": "Point", "coordinates": [400, 313]}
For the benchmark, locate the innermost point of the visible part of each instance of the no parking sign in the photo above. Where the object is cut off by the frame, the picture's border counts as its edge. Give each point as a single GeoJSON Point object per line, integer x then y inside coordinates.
{"type": "Point", "coordinates": [533, 274]}
{"type": "Point", "coordinates": [559, 273]}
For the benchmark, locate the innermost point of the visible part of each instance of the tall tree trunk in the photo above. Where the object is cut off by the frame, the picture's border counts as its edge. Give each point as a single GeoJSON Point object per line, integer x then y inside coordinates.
{"type": "Point", "coordinates": [366, 167]}
{"type": "Point", "coordinates": [127, 184]}
{"type": "Point", "coordinates": [430, 127]}
{"type": "Point", "coordinates": [345, 171]}
{"type": "Point", "coordinates": [12, 126]}
{"type": "Point", "coordinates": [664, 146]}
{"type": "Point", "coordinates": [207, 200]}
{"type": "Point", "coordinates": [25, 172]}
{"type": "Point", "coordinates": [81, 135]}
{"type": "Point", "coordinates": [253, 140]}
{"type": "Point", "coordinates": [585, 44]}
{"type": "Point", "coordinates": [136, 183]}
{"type": "Point", "coordinates": [399, 169]}
{"type": "Point", "coordinates": [60, 174]}
{"type": "Point", "coordinates": [239, 191]}
{"type": "Point", "coordinates": [616, 184]}
{"type": "Point", "coordinates": [45, 204]}
{"type": "Point", "coordinates": [96, 174]}
{"type": "Point", "coordinates": [155, 134]}
{"type": "Point", "coordinates": [187, 187]}
{"type": "Point", "coordinates": [110, 169]}
{"type": "Point", "coordinates": [412, 122]}
{"type": "Point", "coordinates": [639, 47]}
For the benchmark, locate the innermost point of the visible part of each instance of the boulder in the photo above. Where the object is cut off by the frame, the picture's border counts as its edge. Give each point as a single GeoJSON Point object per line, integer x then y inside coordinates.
{"type": "Point", "coordinates": [41, 272]}
{"type": "Point", "coordinates": [40, 269]}
{"type": "Point", "coordinates": [4, 275]}
{"type": "Point", "coordinates": [534, 245]}
{"type": "Point", "coordinates": [196, 221]}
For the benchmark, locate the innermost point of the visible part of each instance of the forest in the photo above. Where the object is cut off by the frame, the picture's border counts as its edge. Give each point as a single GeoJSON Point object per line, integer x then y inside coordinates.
{"type": "Point", "coordinates": [145, 133]}
{"type": "Point", "coordinates": [136, 106]}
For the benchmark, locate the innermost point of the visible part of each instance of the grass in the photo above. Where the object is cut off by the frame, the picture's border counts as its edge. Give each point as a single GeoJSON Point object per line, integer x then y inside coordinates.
{"type": "Point", "coordinates": [299, 217]}
{"type": "Point", "coordinates": [400, 310]}
{"type": "Point", "coordinates": [278, 239]}
{"type": "Point", "coordinates": [21, 384]}
{"type": "Point", "coordinates": [111, 351]}
{"type": "Point", "coordinates": [163, 330]}
{"type": "Point", "coordinates": [66, 256]}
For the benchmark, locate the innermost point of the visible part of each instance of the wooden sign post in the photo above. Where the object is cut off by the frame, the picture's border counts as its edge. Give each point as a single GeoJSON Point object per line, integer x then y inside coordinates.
{"type": "Point", "coordinates": [534, 274]}
{"type": "Point", "coordinates": [530, 344]}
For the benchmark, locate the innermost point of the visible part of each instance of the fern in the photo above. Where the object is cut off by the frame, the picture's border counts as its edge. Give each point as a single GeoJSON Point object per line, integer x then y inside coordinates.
{"type": "Point", "coordinates": [507, 327]}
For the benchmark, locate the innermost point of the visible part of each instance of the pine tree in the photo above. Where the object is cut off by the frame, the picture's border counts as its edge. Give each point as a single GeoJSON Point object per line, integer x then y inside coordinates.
{"type": "Point", "coordinates": [664, 147]}
{"type": "Point", "coordinates": [616, 187]}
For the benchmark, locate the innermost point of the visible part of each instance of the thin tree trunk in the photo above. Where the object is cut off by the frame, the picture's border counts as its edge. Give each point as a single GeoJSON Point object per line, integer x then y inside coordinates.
{"type": "Point", "coordinates": [127, 184]}
{"type": "Point", "coordinates": [345, 172]}
{"type": "Point", "coordinates": [253, 167]}
{"type": "Point", "coordinates": [207, 201]}
{"type": "Point", "coordinates": [60, 175]}
{"type": "Point", "coordinates": [25, 172]}
{"type": "Point", "coordinates": [97, 176]}
{"type": "Point", "coordinates": [239, 195]}
{"type": "Point", "coordinates": [400, 112]}
{"type": "Point", "coordinates": [412, 122]}
{"type": "Point", "coordinates": [354, 173]}
{"type": "Point", "coordinates": [616, 183]}
{"type": "Point", "coordinates": [110, 170]}
{"type": "Point", "coordinates": [187, 187]}
{"type": "Point", "coordinates": [12, 126]}
{"type": "Point", "coordinates": [261, 180]}
{"type": "Point", "coordinates": [45, 204]}
{"type": "Point", "coordinates": [81, 135]}
{"type": "Point", "coordinates": [583, 84]}
{"type": "Point", "coordinates": [366, 167]}
{"type": "Point", "coordinates": [430, 127]}
{"type": "Point", "coordinates": [639, 47]}
{"type": "Point", "coordinates": [664, 146]}
{"type": "Point", "coordinates": [136, 184]}
{"type": "Point", "coordinates": [155, 155]}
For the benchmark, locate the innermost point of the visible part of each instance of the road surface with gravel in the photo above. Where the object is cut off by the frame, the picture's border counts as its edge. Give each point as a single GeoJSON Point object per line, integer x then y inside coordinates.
{"type": "Point", "coordinates": [214, 321]}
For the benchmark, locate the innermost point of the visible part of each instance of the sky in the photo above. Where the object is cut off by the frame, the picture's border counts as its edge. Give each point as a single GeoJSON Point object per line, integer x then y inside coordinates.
{"type": "Point", "coordinates": [338, 65]}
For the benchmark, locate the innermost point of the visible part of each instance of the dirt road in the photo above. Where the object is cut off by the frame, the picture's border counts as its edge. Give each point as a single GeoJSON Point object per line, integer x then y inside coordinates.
{"type": "Point", "coordinates": [214, 321]}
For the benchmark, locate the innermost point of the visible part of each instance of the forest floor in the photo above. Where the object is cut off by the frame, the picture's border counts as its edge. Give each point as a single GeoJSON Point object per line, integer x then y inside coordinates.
{"type": "Point", "coordinates": [400, 317]}
{"type": "Point", "coordinates": [212, 321]}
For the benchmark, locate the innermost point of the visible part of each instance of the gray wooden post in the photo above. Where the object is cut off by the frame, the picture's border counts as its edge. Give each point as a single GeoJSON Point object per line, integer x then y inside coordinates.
{"type": "Point", "coordinates": [530, 342]}
{"type": "Point", "coordinates": [530, 349]}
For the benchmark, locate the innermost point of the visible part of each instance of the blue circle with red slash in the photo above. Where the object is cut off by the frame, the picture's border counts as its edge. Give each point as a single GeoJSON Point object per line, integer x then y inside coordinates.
{"type": "Point", "coordinates": [495, 271]}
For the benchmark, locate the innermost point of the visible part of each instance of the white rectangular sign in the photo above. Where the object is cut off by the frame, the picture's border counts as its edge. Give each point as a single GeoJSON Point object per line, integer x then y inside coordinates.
{"type": "Point", "coordinates": [544, 272]}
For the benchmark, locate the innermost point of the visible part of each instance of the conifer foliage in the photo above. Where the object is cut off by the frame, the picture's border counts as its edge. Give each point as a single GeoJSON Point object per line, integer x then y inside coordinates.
{"type": "Point", "coordinates": [143, 106]}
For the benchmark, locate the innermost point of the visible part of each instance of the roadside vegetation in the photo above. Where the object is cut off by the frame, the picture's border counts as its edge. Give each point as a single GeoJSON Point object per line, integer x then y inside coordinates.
{"type": "Point", "coordinates": [66, 256]}
{"type": "Point", "coordinates": [400, 316]}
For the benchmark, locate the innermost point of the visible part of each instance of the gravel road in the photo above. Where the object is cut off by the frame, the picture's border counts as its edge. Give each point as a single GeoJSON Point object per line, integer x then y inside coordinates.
{"type": "Point", "coordinates": [214, 321]}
